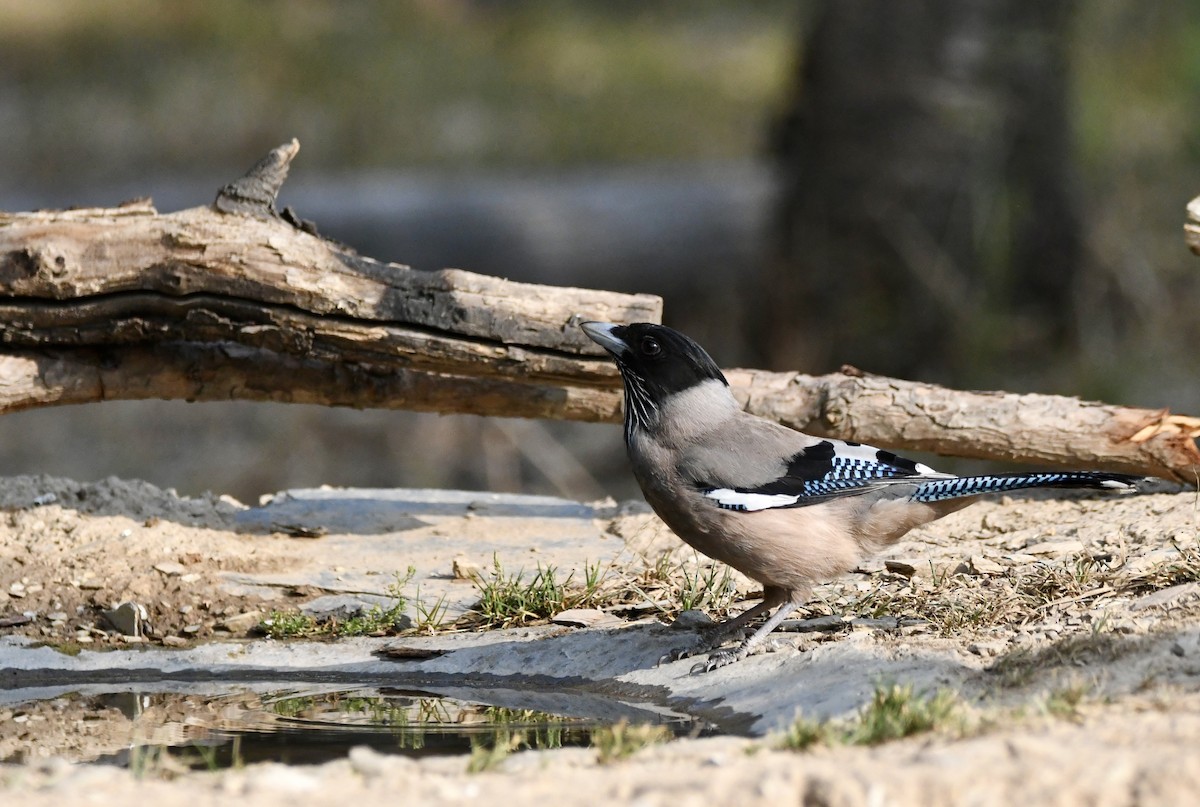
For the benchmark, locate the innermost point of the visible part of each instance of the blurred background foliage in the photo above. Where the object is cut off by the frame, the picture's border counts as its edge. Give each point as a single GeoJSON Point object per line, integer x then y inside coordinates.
{"type": "Point", "coordinates": [637, 146]}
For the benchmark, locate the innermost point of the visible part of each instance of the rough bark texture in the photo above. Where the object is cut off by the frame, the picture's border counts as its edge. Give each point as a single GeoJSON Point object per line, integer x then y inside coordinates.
{"type": "Point", "coordinates": [1036, 429]}
{"type": "Point", "coordinates": [127, 303]}
{"type": "Point", "coordinates": [208, 305]}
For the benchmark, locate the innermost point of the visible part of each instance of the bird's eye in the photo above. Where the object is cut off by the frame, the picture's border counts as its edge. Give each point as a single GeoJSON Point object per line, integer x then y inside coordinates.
{"type": "Point", "coordinates": [650, 346]}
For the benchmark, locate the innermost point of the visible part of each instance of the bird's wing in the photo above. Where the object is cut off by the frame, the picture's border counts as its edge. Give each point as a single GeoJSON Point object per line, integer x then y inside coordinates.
{"type": "Point", "coordinates": [822, 470]}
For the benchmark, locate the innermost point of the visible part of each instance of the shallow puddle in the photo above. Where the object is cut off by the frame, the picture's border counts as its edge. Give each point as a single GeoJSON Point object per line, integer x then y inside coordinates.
{"type": "Point", "coordinates": [315, 724]}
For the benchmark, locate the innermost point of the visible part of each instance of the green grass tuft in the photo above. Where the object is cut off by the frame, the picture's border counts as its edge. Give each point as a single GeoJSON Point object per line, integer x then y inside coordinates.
{"type": "Point", "coordinates": [893, 713]}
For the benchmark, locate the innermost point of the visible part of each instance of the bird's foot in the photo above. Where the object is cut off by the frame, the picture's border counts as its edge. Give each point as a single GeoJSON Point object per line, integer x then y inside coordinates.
{"type": "Point", "coordinates": [720, 658]}
{"type": "Point", "coordinates": [712, 635]}
{"type": "Point", "coordinates": [681, 653]}
{"type": "Point", "coordinates": [723, 658]}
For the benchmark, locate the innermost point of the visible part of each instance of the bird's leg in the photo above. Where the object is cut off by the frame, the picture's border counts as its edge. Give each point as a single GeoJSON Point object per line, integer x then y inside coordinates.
{"type": "Point", "coordinates": [718, 634]}
{"type": "Point", "coordinates": [721, 632]}
{"type": "Point", "coordinates": [723, 657]}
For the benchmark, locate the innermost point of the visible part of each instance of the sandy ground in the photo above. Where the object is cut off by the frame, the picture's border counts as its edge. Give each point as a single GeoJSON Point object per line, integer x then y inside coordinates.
{"type": "Point", "coordinates": [1069, 627]}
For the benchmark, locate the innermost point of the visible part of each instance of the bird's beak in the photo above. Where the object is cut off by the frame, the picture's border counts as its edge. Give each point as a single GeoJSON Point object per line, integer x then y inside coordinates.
{"type": "Point", "coordinates": [602, 334]}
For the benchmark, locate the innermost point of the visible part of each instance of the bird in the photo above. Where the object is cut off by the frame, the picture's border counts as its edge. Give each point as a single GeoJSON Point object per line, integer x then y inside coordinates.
{"type": "Point", "coordinates": [786, 509]}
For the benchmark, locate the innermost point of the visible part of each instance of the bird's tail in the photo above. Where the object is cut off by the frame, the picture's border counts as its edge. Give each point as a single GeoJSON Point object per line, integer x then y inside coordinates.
{"type": "Point", "coordinates": [957, 487]}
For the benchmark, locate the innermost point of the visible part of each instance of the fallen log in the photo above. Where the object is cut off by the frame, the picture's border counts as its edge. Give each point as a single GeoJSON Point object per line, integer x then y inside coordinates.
{"type": "Point", "coordinates": [235, 300]}
{"type": "Point", "coordinates": [238, 301]}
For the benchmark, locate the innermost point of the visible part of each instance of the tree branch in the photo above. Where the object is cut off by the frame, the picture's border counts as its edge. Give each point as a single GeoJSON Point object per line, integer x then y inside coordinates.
{"type": "Point", "coordinates": [234, 301]}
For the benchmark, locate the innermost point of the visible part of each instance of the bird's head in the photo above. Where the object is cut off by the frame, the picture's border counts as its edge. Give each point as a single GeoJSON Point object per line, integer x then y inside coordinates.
{"type": "Point", "coordinates": [656, 363]}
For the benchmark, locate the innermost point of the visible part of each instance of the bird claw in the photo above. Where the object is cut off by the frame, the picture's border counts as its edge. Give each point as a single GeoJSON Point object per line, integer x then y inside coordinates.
{"type": "Point", "coordinates": [681, 654]}
{"type": "Point", "coordinates": [719, 659]}
{"type": "Point", "coordinates": [723, 658]}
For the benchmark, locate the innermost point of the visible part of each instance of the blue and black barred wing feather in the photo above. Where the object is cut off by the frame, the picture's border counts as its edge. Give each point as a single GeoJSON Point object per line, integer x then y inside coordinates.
{"type": "Point", "coordinates": [826, 470]}
{"type": "Point", "coordinates": [960, 486]}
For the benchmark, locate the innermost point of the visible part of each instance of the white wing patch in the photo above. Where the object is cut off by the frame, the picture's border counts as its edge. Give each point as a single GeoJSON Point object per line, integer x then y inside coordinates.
{"type": "Point", "coordinates": [749, 502]}
{"type": "Point", "coordinates": [870, 454]}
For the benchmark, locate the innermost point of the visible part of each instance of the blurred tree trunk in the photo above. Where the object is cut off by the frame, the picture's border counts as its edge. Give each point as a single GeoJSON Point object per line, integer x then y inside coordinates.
{"type": "Point", "coordinates": [926, 223]}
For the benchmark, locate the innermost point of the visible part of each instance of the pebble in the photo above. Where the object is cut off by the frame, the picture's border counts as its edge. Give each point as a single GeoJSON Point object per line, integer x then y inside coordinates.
{"type": "Point", "coordinates": [986, 566]}
{"type": "Point", "coordinates": [174, 641]}
{"type": "Point", "coordinates": [170, 568]}
{"type": "Point", "coordinates": [242, 623]}
{"type": "Point", "coordinates": [191, 629]}
{"type": "Point", "coordinates": [900, 567]}
{"type": "Point", "coordinates": [987, 649]}
{"type": "Point", "coordinates": [126, 618]}
{"type": "Point", "coordinates": [463, 569]}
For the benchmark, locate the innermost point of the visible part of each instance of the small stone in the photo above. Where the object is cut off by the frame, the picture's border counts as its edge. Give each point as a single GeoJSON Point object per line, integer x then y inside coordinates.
{"type": "Point", "coordinates": [464, 569]}
{"type": "Point", "coordinates": [174, 641]}
{"type": "Point", "coordinates": [1178, 650]}
{"type": "Point", "coordinates": [986, 649]}
{"type": "Point", "coordinates": [242, 623]}
{"type": "Point", "coordinates": [170, 568]}
{"type": "Point", "coordinates": [981, 564]}
{"type": "Point", "coordinates": [900, 567]}
{"type": "Point", "coordinates": [12, 620]}
{"type": "Point", "coordinates": [190, 577]}
{"type": "Point", "coordinates": [57, 616]}
{"type": "Point", "coordinates": [44, 499]}
{"type": "Point", "coordinates": [192, 629]}
{"type": "Point", "coordinates": [127, 618]}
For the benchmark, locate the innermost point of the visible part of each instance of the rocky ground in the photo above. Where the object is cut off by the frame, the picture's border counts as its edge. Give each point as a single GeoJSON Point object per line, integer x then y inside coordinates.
{"type": "Point", "coordinates": [1064, 631]}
